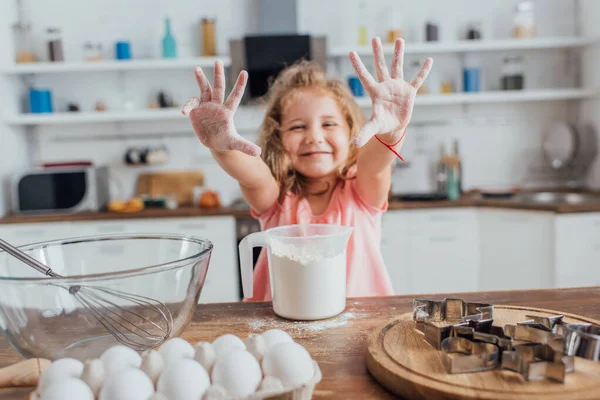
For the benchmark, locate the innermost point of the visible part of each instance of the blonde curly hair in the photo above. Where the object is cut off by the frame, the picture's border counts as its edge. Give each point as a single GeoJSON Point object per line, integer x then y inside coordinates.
{"type": "Point", "coordinates": [303, 75]}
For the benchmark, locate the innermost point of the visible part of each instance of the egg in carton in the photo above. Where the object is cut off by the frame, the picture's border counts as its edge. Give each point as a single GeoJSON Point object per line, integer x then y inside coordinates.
{"type": "Point", "coordinates": [269, 365]}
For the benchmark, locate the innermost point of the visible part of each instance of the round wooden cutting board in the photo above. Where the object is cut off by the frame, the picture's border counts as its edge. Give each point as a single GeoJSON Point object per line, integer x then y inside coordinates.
{"type": "Point", "coordinates": [403, 362]}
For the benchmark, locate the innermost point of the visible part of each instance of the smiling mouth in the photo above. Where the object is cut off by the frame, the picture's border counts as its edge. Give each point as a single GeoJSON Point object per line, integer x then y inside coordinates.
{"type": "Point", "coordinates": [315, 153]}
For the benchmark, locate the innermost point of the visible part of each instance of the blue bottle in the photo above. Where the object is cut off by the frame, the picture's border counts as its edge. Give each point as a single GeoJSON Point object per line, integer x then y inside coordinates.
{"type": "Point", "coordinates": [169, 46]}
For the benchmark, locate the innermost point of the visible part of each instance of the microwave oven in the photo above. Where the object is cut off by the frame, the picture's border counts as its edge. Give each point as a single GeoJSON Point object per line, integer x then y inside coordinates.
{"type": "Point", "coordinates": [60, 190]}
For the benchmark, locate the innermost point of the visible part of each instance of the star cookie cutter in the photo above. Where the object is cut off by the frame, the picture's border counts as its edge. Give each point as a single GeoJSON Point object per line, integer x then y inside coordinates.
{"type": "Point", "coordinates": [536, 361]}
{"type": "Point", "coordinates": [457, 312]}
{"type": "Point", "coordinates": [581, 340]}
{"type": "Point", "coordinates": [484, 331]}
{"type": "Point", "coordinates": [477, 356]}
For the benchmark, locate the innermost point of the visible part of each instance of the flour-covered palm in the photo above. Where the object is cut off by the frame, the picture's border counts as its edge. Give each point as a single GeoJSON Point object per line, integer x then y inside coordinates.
{"type": "Point", "coordinates": [392, 97]}
{"type": "Point", "coordinates": [212, 119]}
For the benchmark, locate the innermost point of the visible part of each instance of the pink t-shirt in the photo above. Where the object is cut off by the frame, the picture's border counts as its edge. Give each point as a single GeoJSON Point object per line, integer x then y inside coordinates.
{"type": "Point", "coordinates": [365, 271]}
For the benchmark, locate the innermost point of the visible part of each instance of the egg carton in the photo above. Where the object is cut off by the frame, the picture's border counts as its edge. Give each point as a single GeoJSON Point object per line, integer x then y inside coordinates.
{"type": "Point", "coordinates": [259, 368]}
{"type": "Point", "coordinates": [303, 392]}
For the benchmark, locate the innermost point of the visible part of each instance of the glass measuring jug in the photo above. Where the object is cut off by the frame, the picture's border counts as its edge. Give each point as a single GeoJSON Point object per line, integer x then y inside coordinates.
{"type": "Point", "coordinates": [307, 268]}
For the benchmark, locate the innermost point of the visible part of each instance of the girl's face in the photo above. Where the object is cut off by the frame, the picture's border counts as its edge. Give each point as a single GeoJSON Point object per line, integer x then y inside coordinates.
{"type": "Point", "coordinates": [315, 133]}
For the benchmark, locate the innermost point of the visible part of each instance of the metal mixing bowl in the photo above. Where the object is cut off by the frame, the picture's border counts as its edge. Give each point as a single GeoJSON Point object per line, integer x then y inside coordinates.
{"type": "Point", "coordinates": [42, 319]}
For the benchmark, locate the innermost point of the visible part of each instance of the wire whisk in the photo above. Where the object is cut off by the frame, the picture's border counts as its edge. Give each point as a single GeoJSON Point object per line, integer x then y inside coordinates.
{"type": "Point", "coordinates": [138, 322]}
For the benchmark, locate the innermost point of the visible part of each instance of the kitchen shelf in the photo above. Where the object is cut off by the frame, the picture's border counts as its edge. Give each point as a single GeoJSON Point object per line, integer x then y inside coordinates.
{"type": "Point", "coordinates": [114, 65]}
{"type": "Point", "coordinates": [245, 113]}
{"type": "Point", "coordinates": [255, 113]}
{"type": "Point", "coordinates": [468, 46]}
{"type": "Point", "coordinates": [495, 97]}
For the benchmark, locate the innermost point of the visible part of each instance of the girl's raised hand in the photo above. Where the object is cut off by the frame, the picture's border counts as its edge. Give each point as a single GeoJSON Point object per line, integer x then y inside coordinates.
{"type": "Point", "coordinates": [212, 118]}
{"type": "Point", "coordinates": [393, 98]}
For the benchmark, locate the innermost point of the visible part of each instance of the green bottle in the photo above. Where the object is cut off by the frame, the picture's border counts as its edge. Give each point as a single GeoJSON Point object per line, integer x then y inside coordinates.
{"type": "Point", "coordinates": [169, 46]}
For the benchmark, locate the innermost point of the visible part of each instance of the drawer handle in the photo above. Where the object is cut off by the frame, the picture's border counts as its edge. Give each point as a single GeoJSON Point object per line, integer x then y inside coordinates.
{"type": "Point", "coordinates": [192, 226]}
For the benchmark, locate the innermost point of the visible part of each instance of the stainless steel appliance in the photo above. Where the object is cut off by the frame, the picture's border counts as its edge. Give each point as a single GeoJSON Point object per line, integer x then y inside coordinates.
{"type": "Point", "coordinates": [66, 190]}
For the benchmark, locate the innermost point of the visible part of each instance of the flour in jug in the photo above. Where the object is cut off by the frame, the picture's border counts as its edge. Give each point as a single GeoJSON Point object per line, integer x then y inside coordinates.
{"type": "Point", "coordinates": [305, 285]}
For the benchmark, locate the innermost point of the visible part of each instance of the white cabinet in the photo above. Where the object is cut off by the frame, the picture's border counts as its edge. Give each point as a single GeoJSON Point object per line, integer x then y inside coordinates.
{"type": "Point", "coordinates": [395, 249]}
{"type": "Point", "coordinates": [222, 281]}
{"type": "Point", "coordinates": [577, 250]}
{"type": "Point", "coordinates": [432, 251]}
{"type": "Point", "coordinates": [444, 250]}
{"type": "Point", "coordinates": [516, 249]}
{"type": "Point", "coordinates": [19, 234]}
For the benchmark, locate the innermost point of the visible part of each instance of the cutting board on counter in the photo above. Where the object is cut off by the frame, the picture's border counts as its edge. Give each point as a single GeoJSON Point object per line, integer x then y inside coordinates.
{"type": "Point", "coordinates": [401, 360]}
{"type": "Point", "coordinates": [178, 183]}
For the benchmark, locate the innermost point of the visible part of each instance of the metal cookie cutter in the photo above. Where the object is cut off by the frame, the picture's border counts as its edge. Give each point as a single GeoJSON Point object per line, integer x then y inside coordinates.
{"type": "Point", "coordinates": [453, 311]}
{"type": "Point", "coordinates": [479, 356]}
{"type": "Point", "coordinates": [538, 361]}
{"type": "Point", "coordinates": [543, 323]}
{"type": "Point", "coordinates": [483, 331]}
{"type": "Point", "coordinates": [581, 340]}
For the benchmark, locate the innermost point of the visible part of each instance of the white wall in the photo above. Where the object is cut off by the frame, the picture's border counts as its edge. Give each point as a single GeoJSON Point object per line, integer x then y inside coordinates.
{"type": "Point", "coordinates": [500, 143]}
{"type": "Point", "coordinates": [14, 154]}
{"type": "Point", "coordinates": [590, 11]}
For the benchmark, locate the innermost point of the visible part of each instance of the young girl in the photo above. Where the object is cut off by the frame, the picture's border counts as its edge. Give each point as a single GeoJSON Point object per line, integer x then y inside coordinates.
{"type": "Point", "coordinates": [318, 162]}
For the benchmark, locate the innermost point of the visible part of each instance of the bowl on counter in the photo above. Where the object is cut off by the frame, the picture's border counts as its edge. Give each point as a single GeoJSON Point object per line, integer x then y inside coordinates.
{"type": "Point", "coordinates": [140, 287]}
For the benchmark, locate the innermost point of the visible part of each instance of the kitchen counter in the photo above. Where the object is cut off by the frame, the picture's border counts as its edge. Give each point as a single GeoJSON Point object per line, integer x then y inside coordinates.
{"type": "Point", "coordinates": [338, 344]}
{"type": "Point", "coordinates": [467, 201]}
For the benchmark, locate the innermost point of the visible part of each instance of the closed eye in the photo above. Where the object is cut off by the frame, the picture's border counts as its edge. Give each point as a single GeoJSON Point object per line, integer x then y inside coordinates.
{"type": "Point", "coordinates": [329, 124]}
{"type": "Point", "coordinates": [296, 127]}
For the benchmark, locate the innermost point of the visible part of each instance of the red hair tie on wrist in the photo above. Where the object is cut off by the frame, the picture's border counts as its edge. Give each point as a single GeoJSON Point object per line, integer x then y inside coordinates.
{"type": "Point", "coordinates": [391, 146]}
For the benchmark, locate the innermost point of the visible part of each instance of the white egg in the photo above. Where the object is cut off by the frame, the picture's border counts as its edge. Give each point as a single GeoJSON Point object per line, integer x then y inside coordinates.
{"type": "Point", "coordinates": [255, 344]}
{"type": "Point", "coordinates": [152, 365]}
{"type": "Point", "coordinates": [205, 355]}
{"type": "Point", "coordinates": [175, 349]}
{"type": "Point", "coordinates": [119, 357]}
{"type": "Point", "coordinates": [67, 388]}
{"type": "Point", "coordinates": [289, 362]}
{"type": "Point", "coordinates": [183, 380]}
{"type": "Point", "coordinates": [216, 392]}
{"type": "Point", "coordinates": [273, 337]}
{"type": "Point", "coordinates": [128, 384]}
{"type": "Point", "coordinates": [61, 368]}
{"type": "Point", "coordinates": [238, 372]}
{"type": "Point", "coordinates": [93, 374]}
{"type": "Point", "coordinates": [227, 342]}
{"type": "Point", "coordinates": [270, 383]}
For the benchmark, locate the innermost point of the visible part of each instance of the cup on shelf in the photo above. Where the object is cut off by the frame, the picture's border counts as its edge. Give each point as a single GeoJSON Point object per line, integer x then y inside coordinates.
{"type": "Point", "coordinates": [40, 101]}
{"type": "Point", "coordinates": [356, 86]}
{"type": "Point", "coordinates": [123, 50]}
{"type": "Point", "coordinates": [472, 78]}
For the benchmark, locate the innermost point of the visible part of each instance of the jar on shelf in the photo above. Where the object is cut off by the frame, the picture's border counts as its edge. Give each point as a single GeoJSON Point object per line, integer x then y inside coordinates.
{"type": "Point", "coordinates": [92, 52]}
{"type": "Point", "coordinates": [55, 47]}
{"type": "Point", "coordinates": [23, 43]}
{"type": "Point", "coordinates": [524, 21]}
{"type": "Point", "coordinates": [209, 40]}
{"type": "Point", "coordinates": [512, 73]}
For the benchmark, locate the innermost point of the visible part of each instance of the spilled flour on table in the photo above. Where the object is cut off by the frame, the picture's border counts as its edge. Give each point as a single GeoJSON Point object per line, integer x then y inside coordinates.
{"type": "Point", "coordinates": [343, 319]}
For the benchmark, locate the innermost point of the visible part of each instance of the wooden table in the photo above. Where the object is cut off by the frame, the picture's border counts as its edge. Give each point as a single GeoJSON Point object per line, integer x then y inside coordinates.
{"type": "Point", "coordinates": [338, 344]}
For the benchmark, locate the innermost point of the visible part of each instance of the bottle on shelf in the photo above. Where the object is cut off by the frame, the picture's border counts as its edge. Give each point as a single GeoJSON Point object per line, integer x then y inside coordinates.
{"type": "Point", "coordinates": [441, 171]}
{"type": "Point", "coordinates": [459, 171]}
{"type": "Point", "coordinates": [524, 21]}
{"type": "Point", "coordinates": [55, 47]}
{"type": "Point", "coordinates": [209, 45]}
{"type": "Point", "coordinates": [363, 31]}
{"type": "Point", "coordinates": [169, 46]}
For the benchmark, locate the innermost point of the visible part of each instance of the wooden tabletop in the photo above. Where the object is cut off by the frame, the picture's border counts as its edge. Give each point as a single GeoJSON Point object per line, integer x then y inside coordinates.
{"type": "Point", "coordinates": [338, 344]}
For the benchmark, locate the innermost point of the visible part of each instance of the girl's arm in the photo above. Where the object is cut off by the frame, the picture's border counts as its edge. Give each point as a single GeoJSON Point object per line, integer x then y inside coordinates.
{"type": "Point", "coordinates": [393, 100]}
{"type": "Point", "coordinates": [212, 119]}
